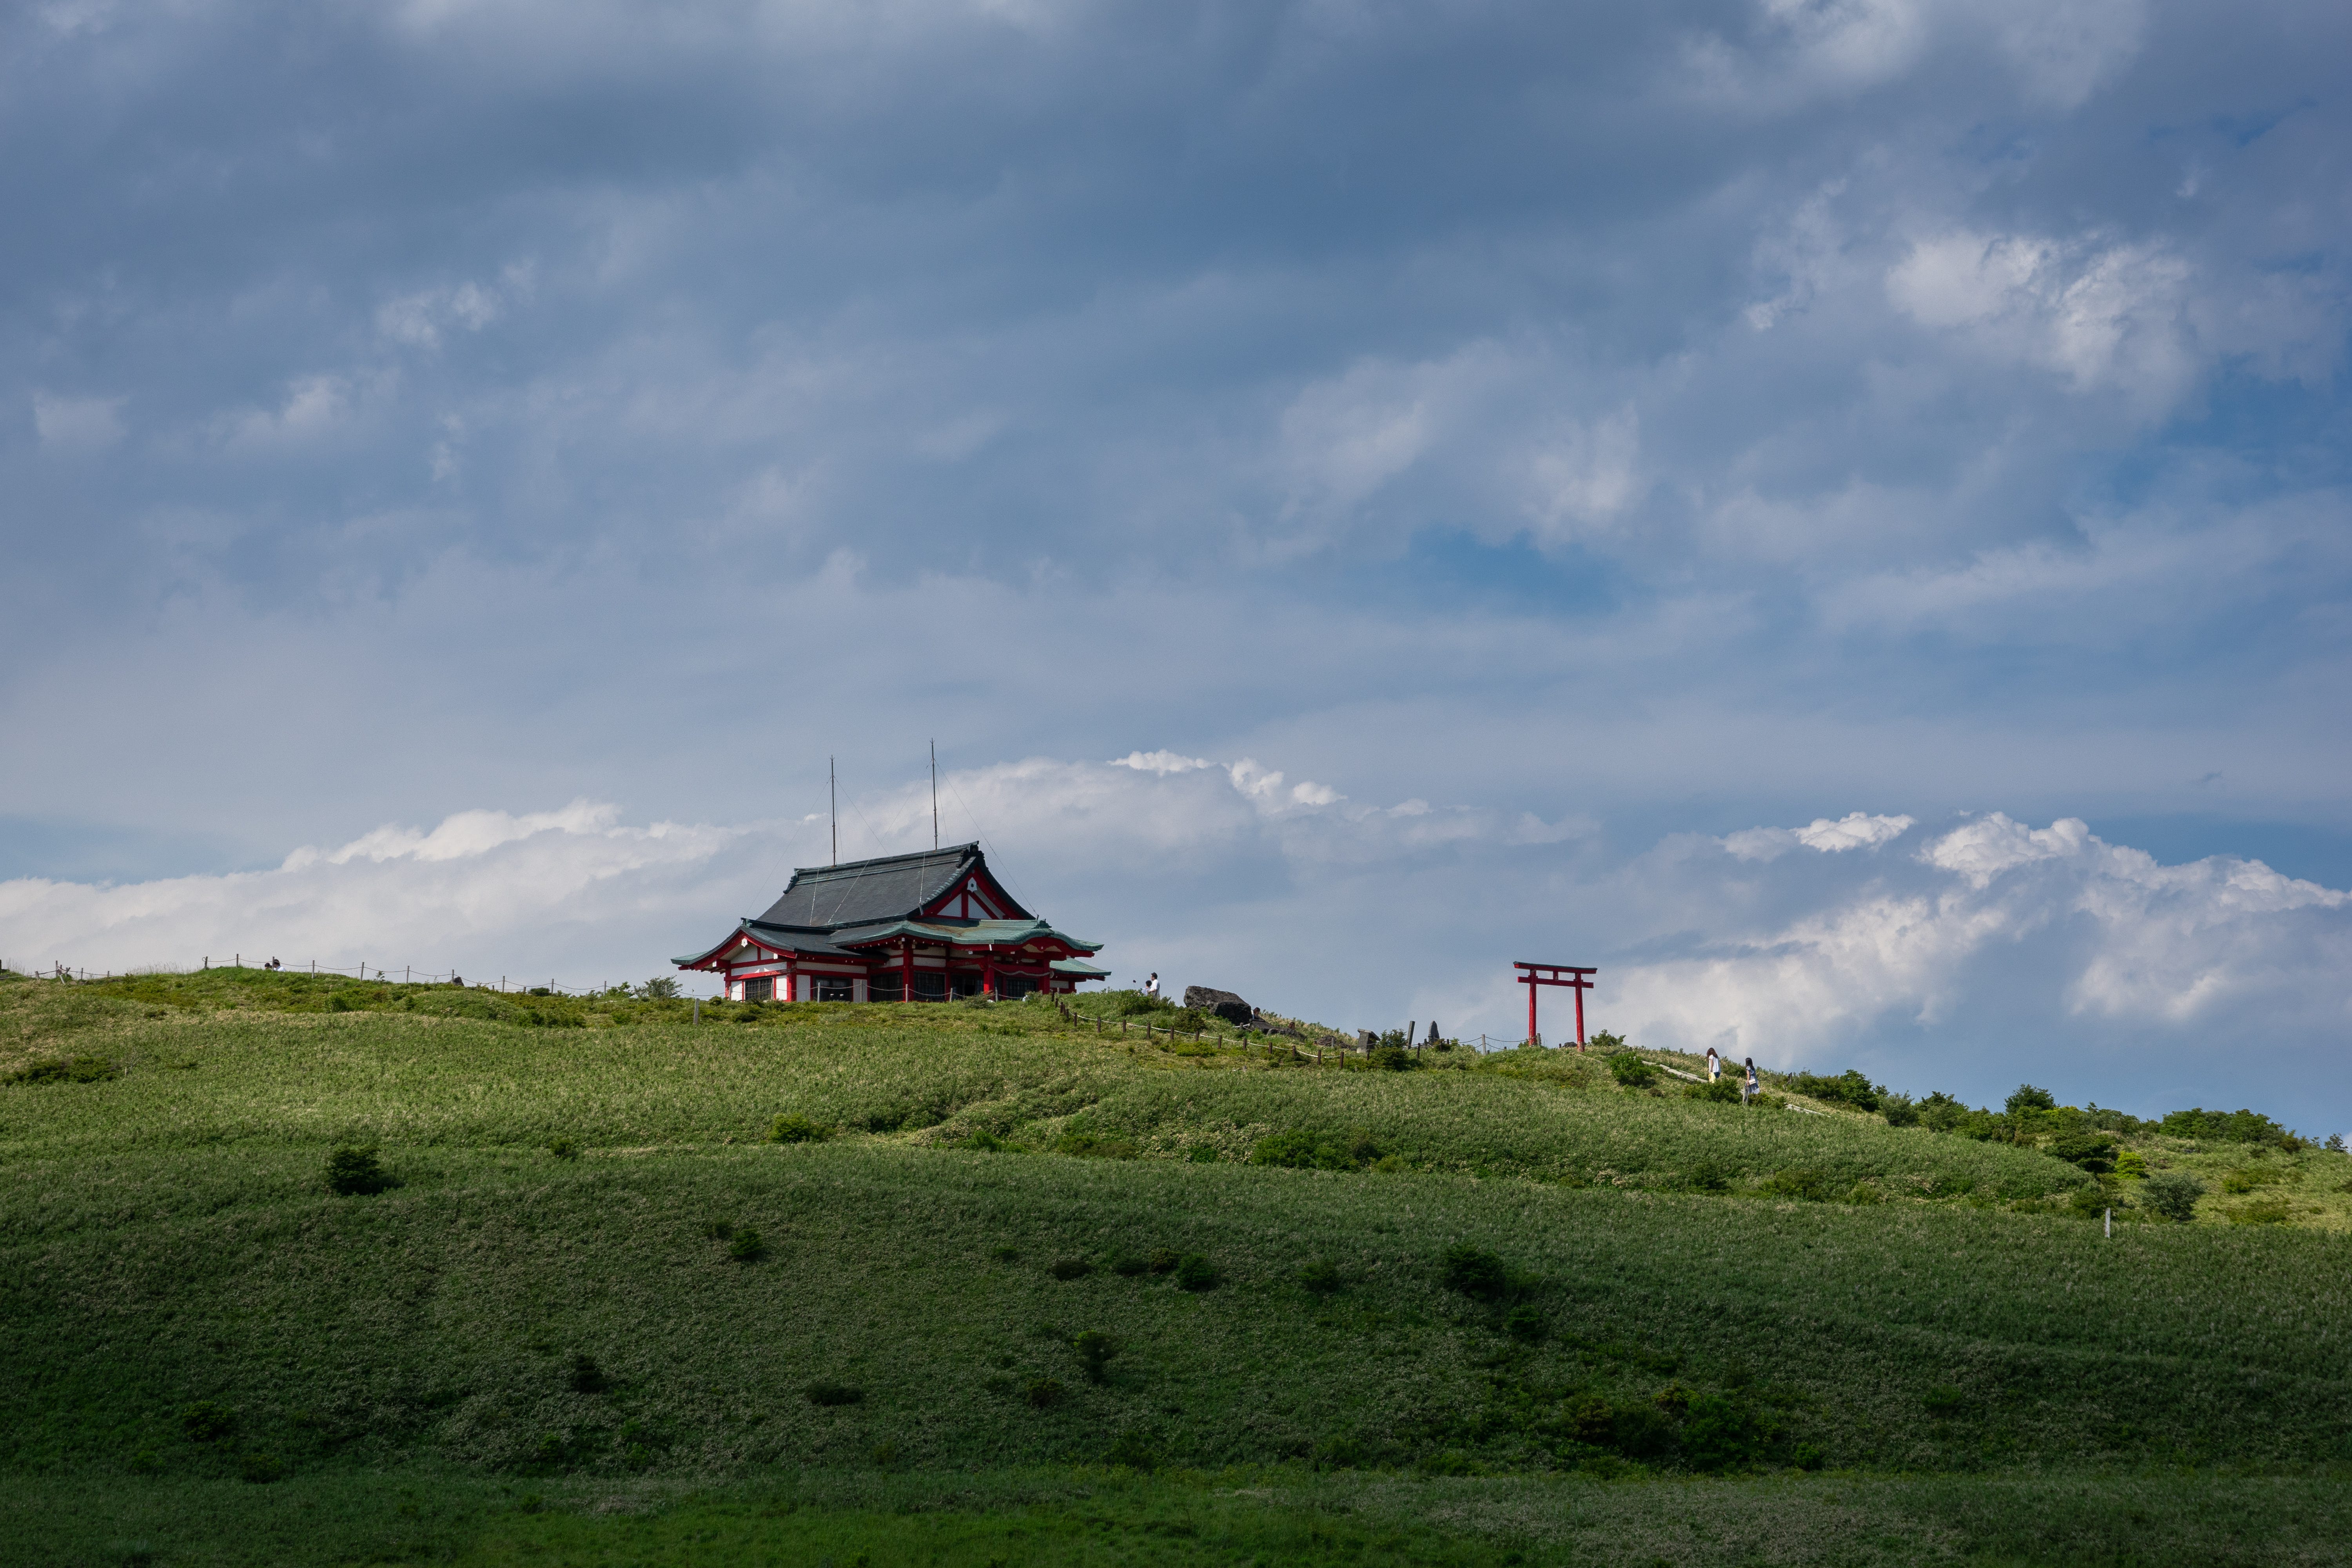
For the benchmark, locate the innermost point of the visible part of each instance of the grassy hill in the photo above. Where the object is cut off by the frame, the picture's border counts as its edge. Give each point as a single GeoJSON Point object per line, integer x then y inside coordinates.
{"type": "Point", "coordinates": [1019, 1287]}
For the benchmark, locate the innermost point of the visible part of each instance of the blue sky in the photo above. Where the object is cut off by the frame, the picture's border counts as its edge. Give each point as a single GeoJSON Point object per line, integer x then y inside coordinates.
{"type": "Point", "coordinates": [467, 465]}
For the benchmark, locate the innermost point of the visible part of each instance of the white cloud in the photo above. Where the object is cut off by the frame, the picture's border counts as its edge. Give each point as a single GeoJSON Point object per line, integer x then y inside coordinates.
{"type": "Point", "coordinates": [1855, 830]}
{"type": "Point", "coordinates": [2050, 930]}
{"type": "Point", "coordinates": [314, 405]}
{"type": "Point", "coordinates": [76, 424]}
{"type": "Point", "coordinates": [2104, 314]}
{"type": "Point", "coordinates": [1160, 762]}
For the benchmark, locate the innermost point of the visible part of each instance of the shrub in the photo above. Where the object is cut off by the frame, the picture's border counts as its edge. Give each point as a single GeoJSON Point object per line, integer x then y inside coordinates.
{"type": "Point", "coordinates": [1721, 1433]}
{"type": "Point", "coordinates": [1708, 1177]}
{"type": "Point", "coordinates": [1005, 1253]}
{"type": "Point", "coordinates": [1899, 1112]}
{"type": "Point", "coordinates": [746, 1247]}
{"type": "Point", "coordinates": [1133, 1449]}
{"type": "Point", "coordinates": [2092, 1151]}
{"type": "Point", "coordinates": [794, 1127]}
{"type": "Point", "coordinates": [336, 1003]}
{"type": "Point", "coordinates": [1095, 1146]}
{"type": "Point", "coordinates": [1317, 1151]}
{"type": "Point", "coordinates": [1723, 1090]}
{"type": "Point", "coordinates": [1848, 1088]}
{"type": "Point", "coordinates": [67, 1069]}
{"type": "Point", "coordinates": [1044, 1393]}
{"type": "Point", "coordinates": [1811, 1186]}
{"type": "Point", "coordinates": [719, 1229]}
{"type": "Point", "coordinates": [834, 1393]}
{"type": "Point", "coordinates": [1194, 1272]}
{"type": "Point", "coordinates": [2172, 1193]}
{"type": "Point", "coordinates": [205, 1422]}
{"type": "Point", "coordinates": [2090, 1200]}
{"type": "Point", "coordinates": [355, 1171]}
{"type": "Point", "coordinates": [2245, 1180]}
{"type": "Point", "coordinates": [2229, 1127]}
{"type": "Point", "coordinates": [1095, 1351]}
{"type": "Point", "coordinates": [564, 1148]}
{"type": "Point", "coordinates": [587, 1377]}
{"type": "Point", "coordinates": [1476, 1273]}
{"type": "Point", "coordinates": [1203, 1155]}
{"type": "Point", "coordinates": [1524, 1323]}
{"type": "Point", "coordinates": [259, 1469]}
{"type": "Point", "coordinates": [1069, 1269]}
{"type": "Point", "coordinates": [2261, 1211]}
{"type": "Point", "coordinates": [1130, 1268]}
{"type": "Point", "coordinates": [1631, 1070]}
{"type": "Point", "coordinates": [1164, 1260]}
{"type": "Point", "coordinates": [1944, 1399]}
{"type": "Point", "coordinates": [2025, 1097]}
{"type": "Point", "coordinates": [660, 988]}
{"type": "Point", "coordinates": [2131, 1164]}
{"type": "Point", "coordinates": [1394, 1059]}
{"type": "Point", "coordinates": [1809, 1456]}
{"type": "Point", "coordinates": [1321, 1276]}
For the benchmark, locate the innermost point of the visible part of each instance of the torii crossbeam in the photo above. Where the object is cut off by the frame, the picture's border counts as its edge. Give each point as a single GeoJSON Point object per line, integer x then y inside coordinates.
{"type": "Point", "coordinates": [1550, 975]}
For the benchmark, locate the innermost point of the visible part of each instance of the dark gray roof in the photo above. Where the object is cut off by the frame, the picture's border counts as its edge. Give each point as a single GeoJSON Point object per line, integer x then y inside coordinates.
{"type": "Point", "coordinates": [864, 892]}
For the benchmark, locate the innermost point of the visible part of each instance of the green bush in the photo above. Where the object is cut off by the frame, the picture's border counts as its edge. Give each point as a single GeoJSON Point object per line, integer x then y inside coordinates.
{"type": "Point", "coordinates": [2094, 1152]}
{"type": "Point", "coordinates": [1317, 1151]}
{"type": "Point", "coordinates": [1164, 1260]}
{"type": "Point", "coordinates": [587, 1377]}
{"type": "Point", "coordinates": [260, 1469]}
{"type": "Point", "coordinates": [1069, 1269]}
{"type": "Point", "coordinates": [1044, 1393]}
{"type": "Point", "coordinates": [1848, 1088]}
{"type": "Point", "coordinates": [1899, 1111]}
{"type": "Point", "coordinates": [1133, 1449]}
{"type": "Point", "coordinates": [564, 1148]}
{"type": "Point", "coordinates": [1944, 1399]}
{"type": "Point", "coordinates": [2172, 1193]}
{"type": "Point", "coordinates": [338, 1003]}
{"type": "Point", "coordinates": [1203, 1155]}
{"type": "Point", "coordinates": [1524, 1323]}
{"type": "Point", "coordinates": [1722, 1091]}
{"type": "Point", "coordinates": [660, 988]}
{"type": "Point", "coordinates": [2025, 1097]}
{"type": "Point", "coordinates": [1475, 1272]}
{"type": "Point", "coordinates": [2261, 1211]}
{"type": "Point", "coordinates": [355, 1171]}
{"type": "Point", "coordinates": [746, 1247]}
{"type": "Point", "coordinates": [1095, 1351]}
{"type": "Point", "coordinates": [830, 1395]}
{"type": "Point", "coordinates": [1194, 1272]}
{"type": "Point", "coordinates": [1810, 1185]}
{"type": "Point", "coordinates": [70, 1070]}
{"type": "Point", "coordinates": [794, 1127]}
{"type": "Point", "coordinates": [1394, 1059]}
{"type": "Point", "coordinates": [205, 1422]}
{"type": "Point", "coordinates": [1631, 1070]}
{"type": "Point", "coordinates": [1095, 1146]}
{"type": "Point", "coordinates": [1132, 1268]}
{"type": "Point", "coordinates": [1720, 1434]}
{"type": "Point", "coordinates": [1321, 1275]}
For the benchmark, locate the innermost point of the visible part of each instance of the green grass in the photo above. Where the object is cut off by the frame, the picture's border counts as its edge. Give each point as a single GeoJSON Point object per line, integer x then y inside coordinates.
{"type": "Point", "coordinates": [1665, 1364]}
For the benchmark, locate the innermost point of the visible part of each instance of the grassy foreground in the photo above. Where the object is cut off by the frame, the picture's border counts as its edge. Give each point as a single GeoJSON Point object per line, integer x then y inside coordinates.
{"type": "Point", "coordinates": [929, 1337]}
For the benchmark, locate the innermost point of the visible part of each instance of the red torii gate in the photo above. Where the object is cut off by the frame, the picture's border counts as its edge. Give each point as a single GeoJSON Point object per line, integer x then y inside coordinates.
{"type": "Point", "coordinates": [1550, 975]}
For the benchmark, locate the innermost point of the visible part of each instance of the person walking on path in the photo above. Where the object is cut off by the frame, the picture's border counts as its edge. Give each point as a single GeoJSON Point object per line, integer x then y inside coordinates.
{"type": "Point", "coordinates": [1748, 1089]}
{"type": "Point", "coordinates": [1151, 986]}
{"type": "Point", "coordinates": [1714, 1065]}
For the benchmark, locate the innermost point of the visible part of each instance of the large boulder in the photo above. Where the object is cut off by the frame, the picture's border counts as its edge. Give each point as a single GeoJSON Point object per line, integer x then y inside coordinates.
{"type": "Point", "coordinates": [1223, 1004]}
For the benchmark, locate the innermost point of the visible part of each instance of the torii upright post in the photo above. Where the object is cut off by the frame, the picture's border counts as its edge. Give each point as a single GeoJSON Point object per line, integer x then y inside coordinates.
{"type": "Point", "coordinates": [1550, 975]}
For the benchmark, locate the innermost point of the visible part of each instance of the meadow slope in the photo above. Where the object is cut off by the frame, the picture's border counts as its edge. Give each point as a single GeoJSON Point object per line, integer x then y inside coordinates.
{"type": "Point", "coordinates": [1016, 1249]}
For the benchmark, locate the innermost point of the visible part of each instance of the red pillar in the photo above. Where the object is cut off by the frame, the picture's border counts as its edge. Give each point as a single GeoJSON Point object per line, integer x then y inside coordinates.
{"type": "Point", "coordinates": [1579, 1012]}
{"type": "Point", "coordinates": [1531, 1009]}
{"type": "Point", "coordinates": [907, 969]}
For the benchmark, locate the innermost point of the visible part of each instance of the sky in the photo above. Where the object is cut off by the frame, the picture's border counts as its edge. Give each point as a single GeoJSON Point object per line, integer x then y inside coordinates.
{"type": "Point", "coordinates": [1835, 514]}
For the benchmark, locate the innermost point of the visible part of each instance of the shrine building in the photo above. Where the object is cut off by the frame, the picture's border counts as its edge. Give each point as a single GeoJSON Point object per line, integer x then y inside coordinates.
{"type": "Point", "coordinates": [920, 928]}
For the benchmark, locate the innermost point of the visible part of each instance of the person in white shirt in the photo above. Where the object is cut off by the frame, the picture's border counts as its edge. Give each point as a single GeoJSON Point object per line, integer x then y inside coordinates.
{"type": "Point", "coordinates": [1714, 1065]}
{"type": "Point", "coordinates": [1151, 986]}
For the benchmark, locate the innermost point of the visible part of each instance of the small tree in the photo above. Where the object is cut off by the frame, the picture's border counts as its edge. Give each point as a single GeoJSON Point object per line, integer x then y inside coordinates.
{"type": "Point", "coordinates": [2025, 1097]}
{"type": "Point", "coordinates": [2172, 1193]}
{"type": "Point", "coordinates": [660, 988]}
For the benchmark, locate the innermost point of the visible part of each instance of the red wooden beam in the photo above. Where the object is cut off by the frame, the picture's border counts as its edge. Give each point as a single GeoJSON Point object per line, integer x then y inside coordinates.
{"type": "Point", "coordinates": [1550, 975]}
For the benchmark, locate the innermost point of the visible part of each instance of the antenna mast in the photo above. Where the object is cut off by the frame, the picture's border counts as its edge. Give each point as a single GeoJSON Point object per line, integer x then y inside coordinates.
{"type": "Point", "coordinates": [935, 794]}
{"type": "Point", "coordinates": [832, 797]}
